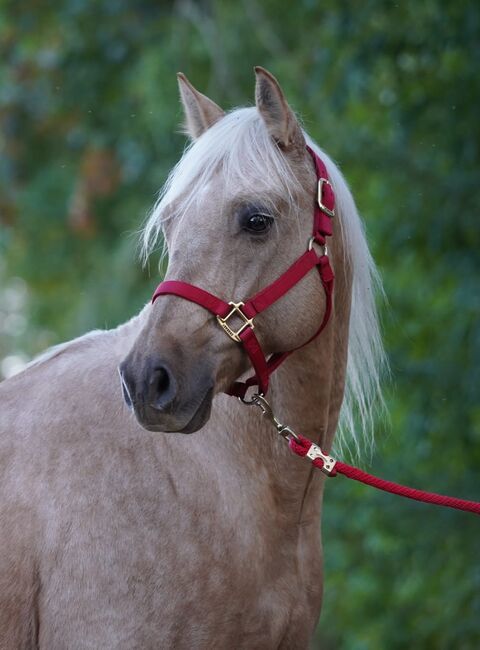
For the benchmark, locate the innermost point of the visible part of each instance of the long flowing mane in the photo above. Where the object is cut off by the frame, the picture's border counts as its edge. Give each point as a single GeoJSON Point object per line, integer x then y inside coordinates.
{"type": "Point", "coordinates": [240, 145]}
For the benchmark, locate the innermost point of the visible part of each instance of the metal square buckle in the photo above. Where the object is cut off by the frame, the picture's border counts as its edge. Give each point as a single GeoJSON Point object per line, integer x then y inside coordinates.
{"type": "Point", "coordinates": [321, 183]}
{"type": "Point", "coordinates": [235, 311]}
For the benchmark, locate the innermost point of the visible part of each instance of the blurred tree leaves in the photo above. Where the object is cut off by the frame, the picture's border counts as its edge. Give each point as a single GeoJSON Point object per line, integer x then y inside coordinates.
{"type": "Point", "coordinates": [88, 132]}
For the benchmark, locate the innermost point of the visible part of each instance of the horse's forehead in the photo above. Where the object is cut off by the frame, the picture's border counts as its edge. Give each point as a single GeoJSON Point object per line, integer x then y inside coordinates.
{"type": "Point", "coordinates": [236, 189]}
{"type": "Point", "coordinates": [228, 186]}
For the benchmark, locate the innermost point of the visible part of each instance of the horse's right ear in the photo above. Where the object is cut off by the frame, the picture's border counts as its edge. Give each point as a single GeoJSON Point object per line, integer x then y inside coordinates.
{"type": "Point", "coordinates": [200, 111]}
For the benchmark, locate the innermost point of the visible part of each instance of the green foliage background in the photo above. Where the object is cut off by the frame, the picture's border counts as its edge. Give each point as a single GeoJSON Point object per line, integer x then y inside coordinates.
{"type": "Point", "coordinates": [88, 132]}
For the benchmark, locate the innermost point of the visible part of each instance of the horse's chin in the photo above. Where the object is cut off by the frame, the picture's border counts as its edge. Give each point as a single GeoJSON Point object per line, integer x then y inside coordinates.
{"type": "Point", "coordinates": [157, 422]}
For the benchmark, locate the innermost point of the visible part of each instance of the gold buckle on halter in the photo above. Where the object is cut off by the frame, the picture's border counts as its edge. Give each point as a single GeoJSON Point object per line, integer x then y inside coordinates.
{"type": "Point", "coordinates": [321, 183]}
{"type": "Point", "coordinates": [235, 311]}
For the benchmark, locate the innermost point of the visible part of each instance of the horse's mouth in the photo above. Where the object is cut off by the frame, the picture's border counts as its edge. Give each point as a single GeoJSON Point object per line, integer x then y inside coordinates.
{"type": "Point", "coordinates": [201, 415]}
{"type": "Point", "coordinates": [158, 421]}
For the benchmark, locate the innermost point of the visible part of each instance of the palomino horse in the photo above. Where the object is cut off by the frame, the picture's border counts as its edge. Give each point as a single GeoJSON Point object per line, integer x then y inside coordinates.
{"type": "Point", "coordinates": [113, 535]}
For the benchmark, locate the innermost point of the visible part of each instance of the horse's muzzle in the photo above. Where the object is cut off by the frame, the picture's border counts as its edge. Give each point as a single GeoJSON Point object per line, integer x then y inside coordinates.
{"type": "Point", "coordinates": [164, 399]}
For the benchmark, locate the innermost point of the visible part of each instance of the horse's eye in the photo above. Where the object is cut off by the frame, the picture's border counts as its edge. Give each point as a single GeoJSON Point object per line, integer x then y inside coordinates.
{"type": "Point", "coordinates": [258, 223]}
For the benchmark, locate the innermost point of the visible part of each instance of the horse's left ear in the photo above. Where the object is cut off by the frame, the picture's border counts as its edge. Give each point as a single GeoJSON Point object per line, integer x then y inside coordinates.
{"type": "Point", "coordinates": [200, 111]}
{"type": "Point", "coordinates": [277, 114]}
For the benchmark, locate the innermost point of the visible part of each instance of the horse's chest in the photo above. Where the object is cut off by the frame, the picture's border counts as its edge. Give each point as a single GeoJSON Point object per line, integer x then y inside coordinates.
{"type": "Point", "coordinates": [158, 575]}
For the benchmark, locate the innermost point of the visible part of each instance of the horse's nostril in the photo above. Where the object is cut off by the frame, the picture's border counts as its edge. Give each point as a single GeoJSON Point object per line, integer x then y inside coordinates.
{"type": "Point", "coordinates": [163, 380]}
{"type": "Point", "coordinates": [162, 388]}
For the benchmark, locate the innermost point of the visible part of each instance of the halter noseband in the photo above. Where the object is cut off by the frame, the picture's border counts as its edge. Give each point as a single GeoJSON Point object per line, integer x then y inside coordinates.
{"type": "Point", "coordinates": [246, 311]}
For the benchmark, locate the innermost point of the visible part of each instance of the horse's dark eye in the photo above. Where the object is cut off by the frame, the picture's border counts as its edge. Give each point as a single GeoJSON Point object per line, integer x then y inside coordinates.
{"type": "Point", "coordinates": [258, 223]}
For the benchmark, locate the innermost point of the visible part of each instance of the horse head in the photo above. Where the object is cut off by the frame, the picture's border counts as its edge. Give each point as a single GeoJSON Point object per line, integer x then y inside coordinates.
{"type": "Point", "coordinates": [235, 213]}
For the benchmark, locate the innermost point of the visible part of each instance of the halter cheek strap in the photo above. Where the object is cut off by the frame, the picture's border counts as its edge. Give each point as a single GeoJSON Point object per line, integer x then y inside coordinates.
{"type": "Point", "coordinates": [245, 312]}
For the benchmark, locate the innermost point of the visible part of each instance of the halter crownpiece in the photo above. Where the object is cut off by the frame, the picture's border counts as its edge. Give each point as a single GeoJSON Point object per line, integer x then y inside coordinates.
{"type": "Point", "coordinates": [245, 312]}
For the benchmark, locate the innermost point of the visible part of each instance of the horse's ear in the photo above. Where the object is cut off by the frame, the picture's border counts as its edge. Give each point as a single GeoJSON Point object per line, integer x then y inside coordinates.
{"type": "Point", "coordinates": [277, 114]}
{"type": "Point", "coordinates": [200, 111]}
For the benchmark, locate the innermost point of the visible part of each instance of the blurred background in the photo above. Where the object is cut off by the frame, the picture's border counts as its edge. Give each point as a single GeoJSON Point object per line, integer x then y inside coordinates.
{"type": "Point", "coordinates": [89, 119]}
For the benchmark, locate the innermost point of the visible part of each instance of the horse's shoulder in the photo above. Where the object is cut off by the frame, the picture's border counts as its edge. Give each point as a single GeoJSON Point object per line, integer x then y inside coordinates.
{"type": "Point", "coordinates": [19, 535]}
{"type": "Point", "coordinates": [19, 582]}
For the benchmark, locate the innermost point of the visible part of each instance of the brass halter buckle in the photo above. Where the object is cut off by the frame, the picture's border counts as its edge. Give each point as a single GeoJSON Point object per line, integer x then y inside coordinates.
{"type": "Point", "coordinates": [235, 311]}
{"type": "Point", "coordinates": [321, 183]}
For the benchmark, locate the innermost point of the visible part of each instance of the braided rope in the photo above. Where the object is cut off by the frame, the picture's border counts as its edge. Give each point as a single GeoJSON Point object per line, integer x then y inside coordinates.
{"type": "Point", "coordinates": [302, 445]}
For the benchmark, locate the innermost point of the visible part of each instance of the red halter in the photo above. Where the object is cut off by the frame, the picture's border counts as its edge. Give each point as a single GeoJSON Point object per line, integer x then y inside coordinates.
{"type": "Point", "coordinates": [324, 211]}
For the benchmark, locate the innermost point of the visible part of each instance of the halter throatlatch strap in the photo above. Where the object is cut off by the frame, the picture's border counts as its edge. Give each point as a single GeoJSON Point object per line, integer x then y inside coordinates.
{"type": "Point", "coordinates": [245, 312]}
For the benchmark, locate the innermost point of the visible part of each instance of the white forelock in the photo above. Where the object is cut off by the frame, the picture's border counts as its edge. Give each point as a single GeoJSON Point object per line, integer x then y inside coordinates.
{"type": "Point", "coordinates": [240, 147]}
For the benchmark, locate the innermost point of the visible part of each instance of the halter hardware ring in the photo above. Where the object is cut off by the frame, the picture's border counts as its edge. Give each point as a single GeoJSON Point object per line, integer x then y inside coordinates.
{"type": "Point", "coordinates": [321, 182]}
{"type": "Point", "coordinates": [312, 241]}
{"type": "Point", "coordinates": [235, 311]}
{"type": "Point", "coordinates": [252, 400]}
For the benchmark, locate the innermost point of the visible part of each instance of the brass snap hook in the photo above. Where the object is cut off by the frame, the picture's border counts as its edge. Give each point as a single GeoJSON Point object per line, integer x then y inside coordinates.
{"type": "Point", "coordinates": [258, 399]}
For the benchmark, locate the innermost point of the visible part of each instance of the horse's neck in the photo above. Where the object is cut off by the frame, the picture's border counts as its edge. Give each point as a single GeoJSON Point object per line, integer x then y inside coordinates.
{"type": "Point", "coordinates": [306, 393]}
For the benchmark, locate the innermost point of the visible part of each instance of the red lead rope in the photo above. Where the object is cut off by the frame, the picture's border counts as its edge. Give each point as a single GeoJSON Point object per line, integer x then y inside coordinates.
{"type": "Point", "coordinates": [302, 446]}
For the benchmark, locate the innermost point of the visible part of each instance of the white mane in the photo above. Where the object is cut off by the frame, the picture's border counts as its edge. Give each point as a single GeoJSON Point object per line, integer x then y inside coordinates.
{"type": "Point", "coordinates": [363, 399]}
{"type": "Point", "coordinates": [241, 146]}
